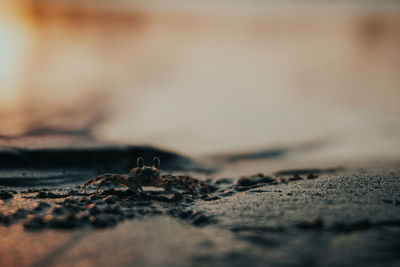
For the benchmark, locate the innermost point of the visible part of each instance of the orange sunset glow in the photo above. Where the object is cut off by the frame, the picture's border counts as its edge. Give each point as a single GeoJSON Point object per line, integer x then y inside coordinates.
{"type": "Point", "coordinates": [101, 68]}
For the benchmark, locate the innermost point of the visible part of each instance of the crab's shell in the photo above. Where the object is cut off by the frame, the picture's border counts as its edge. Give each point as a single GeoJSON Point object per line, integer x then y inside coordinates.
{"type": "Point", "coordinates": [145, 176]}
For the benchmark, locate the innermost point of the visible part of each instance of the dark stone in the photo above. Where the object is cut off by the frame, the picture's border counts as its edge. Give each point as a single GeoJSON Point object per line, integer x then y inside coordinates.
{"type": "Point", "coordinates": [102, 221]}
{"type": "Point", "coordinates": [94, 210]}
{"type": "Point", "coordinates": [185, 214]}
{"type": "Point", "coordinates": [312, 176]}
{"type": "Point", "coordinates": [295, 177]}
{"type": "Point", "coordinates": [20, 214]}
{"type": "Point", "coordinates": [177, 197]}
{"type": "Point", "coordinates": [58, 210]}
{"type": "Point", "coordinates": [129, 214]}
{"type": "Point", "coordinates": [67, 221]}
{"type": "Point", "coordinates": [6, 220]}
{"type": "Point", "coordinates": [212, 189]}
{"type": "Point", "coordinates": [84, 217]}
{"type": "Point", "coordinates": [73, 205]}
{"type": "Point", "coordinates": [41, 194]}
{"type": "Point", "coordinates": [201, 219]}
{"type": "Point", "coordinates": [254, 179]}
{"type": "Point", "coordinates": [35, 223]}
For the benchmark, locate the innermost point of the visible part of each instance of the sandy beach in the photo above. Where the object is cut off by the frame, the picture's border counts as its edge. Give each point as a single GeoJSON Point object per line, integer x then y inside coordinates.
{"type": "Point", "coordinates": [287, 111]}
{"type": "Point", "coordinates": [336, 216]}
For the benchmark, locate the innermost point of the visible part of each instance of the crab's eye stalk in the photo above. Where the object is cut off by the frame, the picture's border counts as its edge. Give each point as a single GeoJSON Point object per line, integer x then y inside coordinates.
{"type": "Point", "coordinates": [140, 162]}
{"type": "Point", "coordinates": [156, 162]}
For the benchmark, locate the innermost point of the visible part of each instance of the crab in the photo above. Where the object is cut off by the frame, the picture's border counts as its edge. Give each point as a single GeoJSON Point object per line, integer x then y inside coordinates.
{"type": "Point", "coordinates": [143, 175]}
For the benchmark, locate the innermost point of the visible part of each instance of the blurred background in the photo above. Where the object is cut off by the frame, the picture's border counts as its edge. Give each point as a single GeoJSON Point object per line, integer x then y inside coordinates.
{"type": "Point", "coordinates": [203, 77]}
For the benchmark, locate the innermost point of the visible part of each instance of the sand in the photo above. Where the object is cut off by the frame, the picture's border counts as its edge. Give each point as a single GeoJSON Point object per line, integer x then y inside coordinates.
{"type": "Point", "coordinates": [320, 215]}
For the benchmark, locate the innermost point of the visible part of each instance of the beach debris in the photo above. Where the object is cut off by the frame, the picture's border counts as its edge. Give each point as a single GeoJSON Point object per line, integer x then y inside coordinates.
{"type": "Point", "coordinates": [144, 175]}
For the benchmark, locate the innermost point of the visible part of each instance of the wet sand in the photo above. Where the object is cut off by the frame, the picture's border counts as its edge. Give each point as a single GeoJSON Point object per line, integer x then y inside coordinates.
{"type": "Point", "coordinates": [342, 215]}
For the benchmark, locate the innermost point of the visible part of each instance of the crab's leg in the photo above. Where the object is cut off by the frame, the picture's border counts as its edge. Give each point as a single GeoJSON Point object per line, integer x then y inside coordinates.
{"type": "Point", "coordinates": [134, 186]}
{"type": "Point", "coordinates": [115, 180]}
{"type": "Point", "coordinates": [168, 184]}
{"type": "Point", "coordinates": [108, 177]}
{"type": "Point", "coordinates": [187, 181]}
{"type": "Point", "coordinates": [191, 187]}
{"type": "Point", "coordinates": [103, 183]}
{"type": "Point", "coordinates": [194, 181]}
{"type": "Point", "coordinates": [165, 183]}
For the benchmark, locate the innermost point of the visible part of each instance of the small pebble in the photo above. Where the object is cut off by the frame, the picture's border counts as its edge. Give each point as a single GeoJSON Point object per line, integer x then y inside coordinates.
{"type": "Point", "coordinates": [35, 223]}
{"type": "Point", "coordinates": [102, 221]}
{"type": "Point", "coordinates": [66, 221]}
{"type": "Point", "coordinates": [201, 219]}
{"type": "Point", "coordinates": [295, 177]}
{"type": "Point", "coordinates": [177, 197]}
{"type": "Point", "coordinates": [252, 180]}
{"type": "Point", "coordinates": [312, 176]}
{"type": "Point", "coordinates": [185, 214]}
{"type": "Point", "coordinates": [94, 210]}
{"type": "Point", "coordinates": [6, 220]}
{"type": "Point", "coordinates": [58, 209]}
